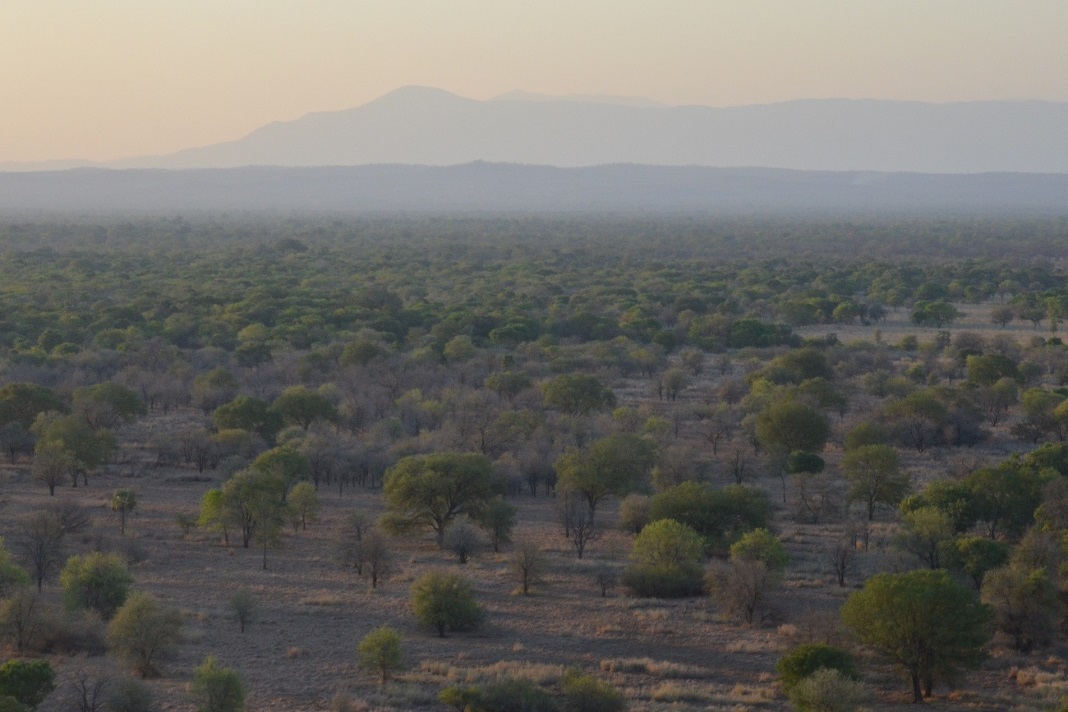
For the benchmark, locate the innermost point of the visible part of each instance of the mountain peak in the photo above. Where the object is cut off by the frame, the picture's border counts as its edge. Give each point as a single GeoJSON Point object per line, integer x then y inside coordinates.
{"type": "Point", "coordinates": [415, 94]}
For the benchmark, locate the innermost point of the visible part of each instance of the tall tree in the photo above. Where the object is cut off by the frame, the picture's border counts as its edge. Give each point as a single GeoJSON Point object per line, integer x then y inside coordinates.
{"type": "Point", "coordinates": [922, 620]}
{"type": "Point", "coordinates": [432, 490]}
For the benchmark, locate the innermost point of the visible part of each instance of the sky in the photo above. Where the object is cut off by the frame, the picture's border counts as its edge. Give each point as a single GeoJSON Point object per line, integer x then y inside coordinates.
{"type": "Point", "coordinates": [106, 79]}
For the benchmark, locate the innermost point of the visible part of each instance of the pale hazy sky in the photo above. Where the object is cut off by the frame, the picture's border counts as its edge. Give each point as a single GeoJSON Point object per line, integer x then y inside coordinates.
{"type": "Point", "coordinates": [102, 79]}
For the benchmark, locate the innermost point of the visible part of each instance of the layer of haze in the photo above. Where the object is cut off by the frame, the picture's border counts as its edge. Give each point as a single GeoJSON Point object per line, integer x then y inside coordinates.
{"type": "Point", "coordinates": [103, 79]}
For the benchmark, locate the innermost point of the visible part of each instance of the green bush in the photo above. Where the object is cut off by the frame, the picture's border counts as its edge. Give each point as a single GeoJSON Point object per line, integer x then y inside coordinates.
{"type": "Point", "coordinates": [144, 631]}
{"type": "Point", "coordinates": [828, 690]}
{"type": "Point", "coordinates": [720, 516]}
{"type": "Point", "coordinates": [216, 689]}
{"type": "Point", "coordinates": [586, 693]}
{"type": "Point", "coordinates": [131, 695]}
{"type": "Point", "coordinates": [380, 651]}
{"type": "Point", "coordinates": [650, 582]}
{"type": "Point", "coordinates": [666, 561]}
{"type": "Point", "coordinates": [12, 576]}
{"type": "Point", "coordinates": [445, 602]}
{"type": "Point", "coordinates": [760, 545]}
{"type": "Point", "coordinates": [512, 695]}
{"type": "Point", "coordinates": [806, 659]}
{"type": "Point", "coordinates": [27, 682]}
{"type": "Point", "coordinates": [96, 581]}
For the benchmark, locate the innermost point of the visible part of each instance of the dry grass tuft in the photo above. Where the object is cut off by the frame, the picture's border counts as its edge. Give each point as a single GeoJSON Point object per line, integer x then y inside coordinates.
{"type": "Point", "coordinates": [674, 692]}
{"type": "Point", "coordinates": [323, 598]}
{"type": "Point", "coordinates": [658, 668]}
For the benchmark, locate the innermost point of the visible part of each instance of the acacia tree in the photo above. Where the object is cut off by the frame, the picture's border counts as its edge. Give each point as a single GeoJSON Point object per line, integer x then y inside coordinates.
{"type": "Point", "coordinates": [445, 602]}
{"type": "Point", "coordinates": [432, 490]}
{"type": "Point", "coordinates": [611, 466]}
{"type": "Point", "coordinates": [577, 394]}
{"type": "Point", "coordinates": [39, 544]}
{"type": "Point", "coordinates": [875, 477]}
{"type": "Point", "coordinates": [380, 651]}
{"type": "Point", "coordinates": [922, 620]}
{"type": "Point", "coordinates": [52, 463]}
{"type": "Point", "coordinates": [527, 562]}
{"type": "Point", "coordinates": [123, 501]}
{"type": "Point", "coordinates": [142, 631]}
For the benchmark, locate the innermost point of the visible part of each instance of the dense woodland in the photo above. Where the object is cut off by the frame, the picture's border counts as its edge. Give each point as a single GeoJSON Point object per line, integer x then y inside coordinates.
{"type": "Point", "coordinates": [836, 444]}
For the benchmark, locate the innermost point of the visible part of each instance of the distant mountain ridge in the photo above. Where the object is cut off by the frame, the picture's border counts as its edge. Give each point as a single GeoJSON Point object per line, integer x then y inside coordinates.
{"type": "Point", "coordinates": [488, 187]}
{"type": "Point", "coordinates": [432, 127]}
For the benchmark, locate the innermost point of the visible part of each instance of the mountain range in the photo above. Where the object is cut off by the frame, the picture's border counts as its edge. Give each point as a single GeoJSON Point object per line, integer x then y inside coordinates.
{"type": "Point", "coordinates": [432, 127]}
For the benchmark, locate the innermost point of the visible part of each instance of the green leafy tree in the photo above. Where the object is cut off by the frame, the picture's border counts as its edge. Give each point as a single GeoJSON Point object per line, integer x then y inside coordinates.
{"type": "Point", "coordinates": [828, 690]}
{"type": "Point", "coordinates": [254, 500]}
{"type": "Point", "coordinates": [303, 505]}
{"type": "Point", "coordinates": [918, 417]}
{"type": "Point", "coordinates": [666, 561]}
{"type": "Point", "coordinates": [286, 461]}
{"type": "Point", "coordinates": [432, 490]}
{"type": "Point", "coordinates": [22, 402]}
{"type": "Point", "coordinates": [787, 425]}
{"type": "Point", "coordinates": [611, 466]}
{"type": "Point", "coordinates": [874, 475]}
{"type": "Point", "coordinates": [303, 407]}
{"type": "Point", "coordinates": [720, 516]}
{"type": "Point", "coordinates": [28, 682]}
{"type": "Point", "coordinates": [90, 448]}
{"type": "Point", "coordinates": [97, 581]}
{"type": "Point", "coordinates": [975, 556]}
{"type": "Point", "coordinates": [445, 602]}
{"type": "Point", "coordinates": [52, 464]}
{"type": "Point", "coordinates": [586, 693]}
{"type": "Point", "coordinates": [922, 620]}
{"type": "Point", "coordinates": [577, 394]}
{"type": "Point", "coordinates": [498, 519]}
{"type": "Point", "coordinates": [12, 576]}
{"type": "Point", "coordinates": [143, 631]}
{"type": "Point", "coordinates": [104, 405]}
{"type": "Point", "coordinates": [806, 659]}
{"type": "Point", "coordinates": [248, 413]}
{"type": "Point", "coordinates": [761, 545]}
{"type": "Point", "coordinates": [123, 501]}
{"type": "Point", "coordinates": [1027, 607]}
{"type": "Point", "coordinates": [380, 651]}
{"type": "Point", "coordinates": [40, 544]}
{"type": "Point", "coordinates": [215, 514]}
{"type": "Point", "coordinates": [244, 608]}
{"type": "Point", "coordinates": [955, 499]}
{"type": "Point", "coordinates": [1006, 497]}
{"type": "Point", "coordinates": [936, 313]}
{"type": "Point", "coordinates": [927, 533]}
{"type": "Point", "coordinates": [216, 688]}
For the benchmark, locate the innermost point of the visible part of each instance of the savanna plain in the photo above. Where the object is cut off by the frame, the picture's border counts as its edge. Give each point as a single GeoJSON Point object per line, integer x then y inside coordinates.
{"type": "Point", "coordinates": [533, 463]}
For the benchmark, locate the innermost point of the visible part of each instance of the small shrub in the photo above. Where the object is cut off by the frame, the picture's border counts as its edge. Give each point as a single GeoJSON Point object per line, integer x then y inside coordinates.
{"type": "Point", "coordinates": [512, 695]}
{"type": "Point", "coordinates": [244, 608]}
{"type": "Point", "coordinates": [27, 682]}
{"type": "Point", "coordinates": [459, 698]}
{"type": "Point", "coordinates": [380, 651]}
{"type": "Point", "coordinates": [217, 689]}
{"type": "Point", "coordinates": [144, 631]}
{"type": "Point", "coordinates": [586, 693]}
{"type": "Point", "coordinates": [131, 695]}
{"type": "Point", "coordinates": [445, 602]}
{"type": "Point", "coordinates": [827, 690]}
{"type": "Point", "coordinates": [463, 537]}
{"type": "Point", "coordinates": [96, 581]}
{"type": "Point", "coordinates": [647, 581]}
{"type": "Point", "coordinates": [806, 659]}
{"type": "Point", "coordinates": [634, 513]}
